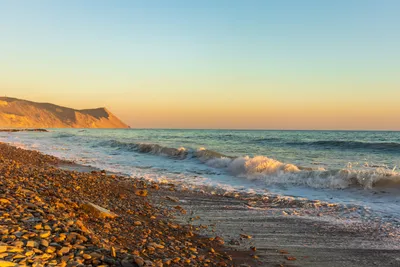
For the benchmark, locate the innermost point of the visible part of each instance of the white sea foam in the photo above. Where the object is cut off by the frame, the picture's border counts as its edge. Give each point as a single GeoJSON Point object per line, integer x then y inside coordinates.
{"type": "Point", "coordinates": [275, 172]}
{"type": "Point", "coordinates": [255, 165]}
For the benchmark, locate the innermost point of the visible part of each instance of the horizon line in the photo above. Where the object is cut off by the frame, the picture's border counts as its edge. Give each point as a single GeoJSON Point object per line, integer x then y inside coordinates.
{"type": "Point", "coordinates": [233, 129]}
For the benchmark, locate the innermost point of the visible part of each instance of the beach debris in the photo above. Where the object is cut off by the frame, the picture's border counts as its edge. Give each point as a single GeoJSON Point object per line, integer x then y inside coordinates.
{"type": "Point", "coordinates": [98, 211]}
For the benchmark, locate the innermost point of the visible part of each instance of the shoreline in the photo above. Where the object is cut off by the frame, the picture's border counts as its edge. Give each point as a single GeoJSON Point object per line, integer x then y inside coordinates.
{"type": "Point", "coordinates": [14, 130]}
{"type": "Point", "coordinates": [48, 218]}
{"type": "Point", "coordinates": [259, 232]}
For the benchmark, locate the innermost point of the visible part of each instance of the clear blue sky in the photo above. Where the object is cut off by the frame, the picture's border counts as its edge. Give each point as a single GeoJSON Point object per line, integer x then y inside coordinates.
{"type": "Point", "coordinates": [273, 59]}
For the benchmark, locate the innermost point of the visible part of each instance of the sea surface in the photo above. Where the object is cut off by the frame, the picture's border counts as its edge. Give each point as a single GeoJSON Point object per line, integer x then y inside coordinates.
{"type": "Point", "coordinates": [353, 168]}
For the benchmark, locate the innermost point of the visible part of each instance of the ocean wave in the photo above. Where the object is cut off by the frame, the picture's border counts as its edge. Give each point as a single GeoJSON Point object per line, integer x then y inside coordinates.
{"type": "Point", "coordinates": [154, 149]}
{"type": "Point", "coordinates": [272, 171]}
{"type": "Point", "coordinates": [386, 146]}
{"type": "Point", "coordinates": [204, 155]}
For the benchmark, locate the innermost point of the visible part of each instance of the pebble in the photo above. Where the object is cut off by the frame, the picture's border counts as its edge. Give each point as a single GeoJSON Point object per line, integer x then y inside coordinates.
{"type": "Point", "coordinates": [7, 264]}
{"type": "Point", "coordinates": [45, 234]}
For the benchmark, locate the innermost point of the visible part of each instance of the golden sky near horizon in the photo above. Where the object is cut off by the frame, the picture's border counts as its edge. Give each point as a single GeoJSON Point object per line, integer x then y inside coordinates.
{"type": "Point", "coordinates": [275, 107]}
{"type": "Point", "coordinates": [209, 64]}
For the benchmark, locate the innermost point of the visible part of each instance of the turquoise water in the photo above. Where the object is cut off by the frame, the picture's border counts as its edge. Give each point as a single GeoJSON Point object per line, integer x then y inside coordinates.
{"type": "Point", "coordinates": [338, 166]}
{"type": "Point", "coordinates": [333, 149]}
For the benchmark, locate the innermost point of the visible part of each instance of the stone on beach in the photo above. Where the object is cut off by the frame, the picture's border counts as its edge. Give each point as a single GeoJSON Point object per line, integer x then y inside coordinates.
{"type": "Point", "coordinates": [7, 264]}
{"type": "Point", "coordinates": [141, 193]}
{"type": "Point", "coordinates": [173, 199]}
{"type": "Point", "coordinates": [98, 211]}
{"type": "Point", "coordinates": [4, 201]}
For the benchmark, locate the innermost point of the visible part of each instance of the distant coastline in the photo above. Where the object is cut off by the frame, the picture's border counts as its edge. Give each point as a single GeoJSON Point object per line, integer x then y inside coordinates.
{"type": "Point", "coordinates": [18, 113]}
{"type": "Point", "coordinates": [23, 130]}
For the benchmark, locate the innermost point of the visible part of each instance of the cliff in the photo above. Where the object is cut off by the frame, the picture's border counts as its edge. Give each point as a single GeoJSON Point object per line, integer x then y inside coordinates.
{"type": "Point", "coordinates": [17, 113]}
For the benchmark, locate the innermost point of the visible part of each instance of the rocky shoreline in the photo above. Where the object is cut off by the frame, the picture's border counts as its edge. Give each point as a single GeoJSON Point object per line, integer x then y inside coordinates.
{"type": "Point", "coordinates": [55, 217]}
{"type": "Point", "coordinates": [58, 213]}
{"type": "Point", "coordinates": [22, 130]}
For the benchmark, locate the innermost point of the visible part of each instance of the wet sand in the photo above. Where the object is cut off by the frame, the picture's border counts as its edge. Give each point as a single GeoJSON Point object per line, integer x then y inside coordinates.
{"type": "Point", "coordinates": [274, 236]}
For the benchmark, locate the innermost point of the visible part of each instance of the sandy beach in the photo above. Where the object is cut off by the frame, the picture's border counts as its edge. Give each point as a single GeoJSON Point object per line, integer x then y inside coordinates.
{"type": "Point", "coordinates": [47, 218]}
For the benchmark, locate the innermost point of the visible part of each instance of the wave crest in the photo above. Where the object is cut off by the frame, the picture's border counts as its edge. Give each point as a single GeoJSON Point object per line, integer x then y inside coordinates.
{"type": "Point", "coordinates": [204, 154]}
{"type": "Point", "coordinates": [255, 165]}
{"type": "Point", "coordinates": [274, 172]}
{"type": "Point", "coordinates": [154, 149]}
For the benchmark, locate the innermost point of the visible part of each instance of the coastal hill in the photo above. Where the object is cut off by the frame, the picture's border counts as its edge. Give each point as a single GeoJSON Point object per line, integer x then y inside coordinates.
{"type": "Point", "coordinates": [17, 113]}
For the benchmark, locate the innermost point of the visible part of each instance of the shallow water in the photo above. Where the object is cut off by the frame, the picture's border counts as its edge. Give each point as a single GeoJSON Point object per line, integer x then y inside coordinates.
{"type": "Point", "coordinates": [351, 168]}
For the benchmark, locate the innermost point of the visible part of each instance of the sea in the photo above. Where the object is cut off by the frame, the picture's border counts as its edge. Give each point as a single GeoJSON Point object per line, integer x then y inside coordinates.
{"type": "Point", "coordinates": [350, 168]}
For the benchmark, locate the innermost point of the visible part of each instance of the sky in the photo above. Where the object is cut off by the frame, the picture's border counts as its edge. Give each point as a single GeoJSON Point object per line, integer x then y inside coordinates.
{"type": "Point", "coordinates": [284, 64]}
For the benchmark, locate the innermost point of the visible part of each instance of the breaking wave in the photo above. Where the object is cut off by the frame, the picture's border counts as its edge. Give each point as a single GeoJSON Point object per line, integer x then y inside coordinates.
{"type": "Point", "coordinates": [272, 171]}
{"type": "Point", "coordinates": [154, 149]}
{"type": "Point", "coordinates": [386, 146]}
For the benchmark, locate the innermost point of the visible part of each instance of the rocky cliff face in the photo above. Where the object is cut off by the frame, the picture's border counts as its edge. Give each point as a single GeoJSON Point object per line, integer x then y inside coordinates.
{"type": "Point", "coordinates": [16, 113]}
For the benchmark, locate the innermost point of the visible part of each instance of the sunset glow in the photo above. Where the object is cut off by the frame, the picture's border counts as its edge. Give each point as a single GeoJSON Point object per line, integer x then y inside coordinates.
{"type": "Point", "coordinates": [231, 64]}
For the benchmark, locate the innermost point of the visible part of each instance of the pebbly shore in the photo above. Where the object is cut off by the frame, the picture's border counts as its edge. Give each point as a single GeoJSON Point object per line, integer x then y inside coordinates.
{"type": "Point", "coordinates": [57, 213]}
{"type": "Point", "coordinates": [56, 217]}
